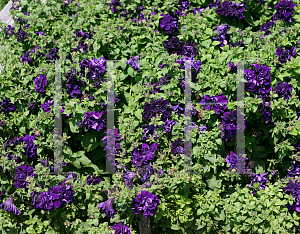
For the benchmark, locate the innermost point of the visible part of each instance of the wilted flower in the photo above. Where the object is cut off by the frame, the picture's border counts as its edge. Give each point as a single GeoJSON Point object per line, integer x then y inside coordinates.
{"type": "Point", "coordinates": [107, 207]}
{"type": "Point", "coordinates": [121, 228]}
{"type": "Point", "coordinates": [10, 207]}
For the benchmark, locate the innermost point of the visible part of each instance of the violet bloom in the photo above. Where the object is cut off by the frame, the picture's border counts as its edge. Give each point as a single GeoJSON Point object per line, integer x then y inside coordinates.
{"type": "Point", "coordinates": [21, 176]}
{"type": "Point", "coordinates": [16, 5]}
{"type": "Point", "coordinates": [7, 106]}
{"type": "Point", "coordinates": [40, 84]}
{"type": "Point", "coordinates": [93, 121]}
{"type": "Point", "coordinates": [284, 11]}
{"type": "Point", "coordinates": [145, 203]}
{"type": "Point", "coordinates": [223, 36]}
{"type": "Point", "coordinates": [44, 162]}
{"type": "Point", "coordinates": [284, 90]}
{"type": "Point", "coordinates": [71, 175]}
{"type": "Point", "coordinates": [162, 65]}
{"type": "Point", "coordinates": [284, 56]}
{"type": "Point", "coordinates": [157, 107]}
{"type": "Point", "coordinates": [54, 198]}
{"type": "Point", "coordinates": [113, 6]}
{"type": "Point", "coordinates": [93, 180]}
{"type": "Point", "coordinates": [232, 160]}
{"type": "Point", "coordinates": [40, 33]}
{"type": "Point", "coordinates": [233, 10]}
{"type": "Point", "coordinates": [266, 26]}
{"type": "Point", "coordinates": [10, 207]}
{"type": "Point", "coordinates": [177, 147]}
{"type": "Point", "coordinates": [217, 103]}
{"type": "Point", "coordinates": [261, 179]}
{"type": "Point", "coordinates": [168, 23]}
{"type": "Point", "coordinates": [21, 35]}
{"type": "Point", "coordinates": [133, 62]}
{"type": "Point", "coordinates": [292, 188]}
{"type": "Point", "coordinates": [143, 154]}
{"type": "Point", "coordinates": [174, 46]}
{"type": "Point", "coordinates": [121, 228]}
{"type": "Point", "coordinates": [52, 54]}
{"type": "Point", "coordinates": [10, 30]}
{"type": "Point", "coordinates": [26, 58]}
{"type": "Point", "coordinates": [107, 207]}
{"type": "Point", "coordinates": [30, 147]}
{"type": "Point", "coordinates": [259, 79]}
{"type": "Point", "coordinates": [159, 173]}
{"type": "Point", "coordinates": [47, 105]}
{"type": "Point", "coordinates": [198, 10]}
{"type": "Point", "coordinates": [146, 173]}
{"type": "Point", "coordinates": [232, 67]}
{"type": "Point", "coordinates": [295, 171]}
{"type": "Point", "coordinates": [202, 129]}
{"type": "Point", "coordinates": [128, 177]}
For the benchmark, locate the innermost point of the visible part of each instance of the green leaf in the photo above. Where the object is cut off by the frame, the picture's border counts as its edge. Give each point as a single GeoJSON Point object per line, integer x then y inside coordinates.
{"type": "Point", "coordinates": [209, 31]}
{"type": "Point", "coordinates": [130, 71]}
{"type": "Point", "coordinates": [84, 160]}
{"type": "Point", "coordinates": [123, 63]}
{"type": "Point", "coordinates": [206, 43]}
{"type": "Point", "coordinates": [259, 166]}
{"type": "Point", "coordinates": [138, 114]}
{"type": "Point", "coordinates": [248, 41]}
{"type": "Point", "coordinates": [175, 227]}
{"type": "Point", "coordinates": [214, 183]}
{"type": "Point", "coordinates": [89, 142]}
{"type": "Point", "coordinates": [73, 126]}
{"type": "Point", "coordinates": [23, 130]}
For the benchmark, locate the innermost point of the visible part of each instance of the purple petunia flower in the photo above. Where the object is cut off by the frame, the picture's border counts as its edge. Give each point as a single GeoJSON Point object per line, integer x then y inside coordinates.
{"type": "Point", "coordinates": [261, 179]}
{"type": "Point", "coordinates": [133, 62]}
{"type": "Point", "coordinates": [284, 90]}
{"type": "Point", "coordinates": [128, 177]}
{"type": "Point", "coordinates": [233, 68]}
{"type": "Point", "coordinates": [93, 180]}
{"type": "Point", "coordinates": [177, 147]}
{"type": "Point", "coordinates": [21, 35]}
{"type": "Point", "coordinates": [143, 154]}
{"type": "Point", "coordinates": [21, 176]}
{"type": "Point", "coordinates": [295, 171]}
{"type": "Point", "coordinates": [146, 203]}
{"type": "Point", "coordinates": [54, 198]}
{"type": "Point", "coordinates": [159, 173]}
{"type": "Point", "coordinates": [40, 84]}
{"type": "Point", "coordinates": [173, 45]}
{"type": "Point", "coordinates": [10, 207]}
{"type": "Point", "coordinates": [47, 105]}
{"type": "Point", "coordinates": [217, 103]}
{"type": "Point", "coordinates": [107, 207]}
{"type": "Point", "coordinates": [146, 173]}
{"type": "Point", "coordinates": [266, 26]}
{"type": "Point", "coordinates": [233, 10]}
{"type": "Point", "coordinates": [93, 121]}
{"type": "Point", "coordinates": [168, 23]}
{"type": "Point", "coordinates": [10, 30]}
{"type": "Point", "coordinates": [157, 107]}
{"type": "Point", "coordinates": [7, 106]}
{"type": "Point", "coordinates": [121, 228]}
{"type": "Point", "coordinates": [284, 11]}
{"type": "Point", "coordinates": [202, 129]}
{"type": "Point", "coordinates": [30, 147]}
{"type": "Point", "coordinates": [113, 6]}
